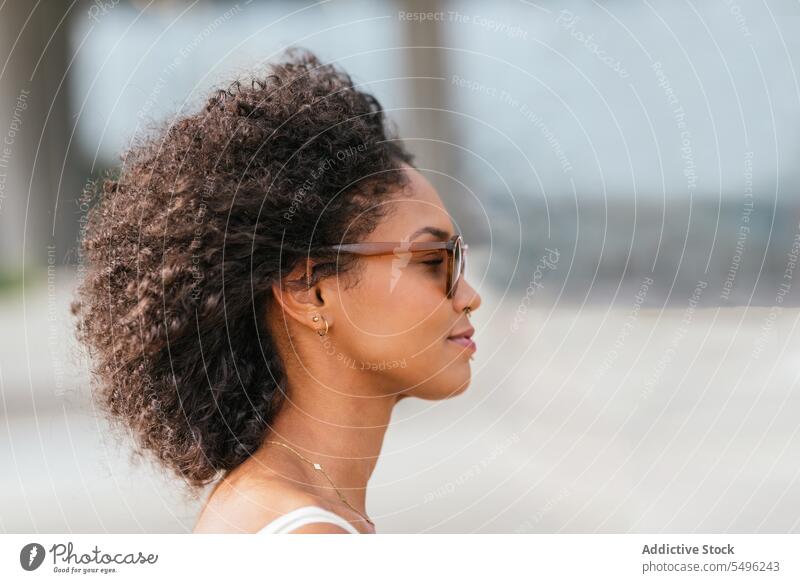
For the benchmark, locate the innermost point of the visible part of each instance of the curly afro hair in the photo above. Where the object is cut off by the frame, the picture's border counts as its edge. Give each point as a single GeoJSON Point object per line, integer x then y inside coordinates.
{"type": "Point", "coordinates": [184, 241]}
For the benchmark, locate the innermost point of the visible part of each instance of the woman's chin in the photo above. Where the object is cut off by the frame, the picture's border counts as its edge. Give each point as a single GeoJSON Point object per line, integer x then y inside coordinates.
{"type": "Point", "coordinates": [459, 377]}
{"type": "Point", "coordinates": [456, 392]}
{"type": "Point", "coordinates": [444, 390]}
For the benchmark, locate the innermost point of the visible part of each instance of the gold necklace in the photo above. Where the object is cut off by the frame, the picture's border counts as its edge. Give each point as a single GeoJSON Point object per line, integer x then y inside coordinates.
{"type": "Point", "coordinates": [319, 468]}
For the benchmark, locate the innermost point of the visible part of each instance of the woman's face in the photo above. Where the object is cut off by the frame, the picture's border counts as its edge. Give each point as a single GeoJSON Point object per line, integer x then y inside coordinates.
{"type": "Point", "coordinates": [395, 324]}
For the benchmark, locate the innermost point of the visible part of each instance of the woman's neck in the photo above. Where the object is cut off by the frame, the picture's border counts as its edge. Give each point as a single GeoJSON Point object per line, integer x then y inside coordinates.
{"type": "Point", "coordinates": [331, 425]}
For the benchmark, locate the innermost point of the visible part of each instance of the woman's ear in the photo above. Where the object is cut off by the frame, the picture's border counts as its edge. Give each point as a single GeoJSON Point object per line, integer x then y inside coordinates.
{"type": "Point", "coordinates": [296, 297]}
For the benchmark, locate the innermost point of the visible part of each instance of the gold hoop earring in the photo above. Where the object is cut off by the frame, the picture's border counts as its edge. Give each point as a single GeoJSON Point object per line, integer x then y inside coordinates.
{"type": "Point", "coordinates": [316, 319]}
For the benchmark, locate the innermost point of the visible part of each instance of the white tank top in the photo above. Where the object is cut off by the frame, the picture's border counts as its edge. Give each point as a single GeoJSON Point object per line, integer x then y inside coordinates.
{"type": "Point", "coordinates": [305, 515]}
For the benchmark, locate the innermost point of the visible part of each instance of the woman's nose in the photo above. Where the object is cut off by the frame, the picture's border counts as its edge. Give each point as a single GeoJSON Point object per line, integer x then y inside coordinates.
{"type": "Point", "coordinates": [466, 297]}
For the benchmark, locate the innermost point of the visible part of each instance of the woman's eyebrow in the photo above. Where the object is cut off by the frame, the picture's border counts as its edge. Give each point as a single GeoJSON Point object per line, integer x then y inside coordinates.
{"type": "Point", "coordinates": [435, 231]}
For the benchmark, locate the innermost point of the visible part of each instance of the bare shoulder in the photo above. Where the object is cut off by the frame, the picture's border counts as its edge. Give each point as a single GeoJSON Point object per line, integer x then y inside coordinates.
{"type": "Point", "coordinates": [246, 504]}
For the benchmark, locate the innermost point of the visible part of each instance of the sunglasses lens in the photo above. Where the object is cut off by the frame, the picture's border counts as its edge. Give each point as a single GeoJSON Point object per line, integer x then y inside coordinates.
{"type": "Point", "coordinates": [459, 260]}
{"type": "Point", "coordinates": [457, 267]}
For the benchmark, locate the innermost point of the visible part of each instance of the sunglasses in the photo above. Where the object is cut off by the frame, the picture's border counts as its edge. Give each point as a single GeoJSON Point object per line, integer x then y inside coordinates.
{"type": "Point", "coordinates": [455, 248]}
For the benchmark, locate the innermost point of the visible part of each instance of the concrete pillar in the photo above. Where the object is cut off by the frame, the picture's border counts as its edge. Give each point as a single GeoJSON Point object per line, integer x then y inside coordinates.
{"type": "Point", "coordinates": [34, 130]}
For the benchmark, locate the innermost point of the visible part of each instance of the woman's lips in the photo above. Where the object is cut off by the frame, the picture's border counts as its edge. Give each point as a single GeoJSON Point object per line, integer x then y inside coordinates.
{"type": "Point", "coordinates": [464, 341]}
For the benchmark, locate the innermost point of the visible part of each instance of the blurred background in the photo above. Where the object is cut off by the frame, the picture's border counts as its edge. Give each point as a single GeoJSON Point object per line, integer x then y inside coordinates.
{"type": "Point", "coordinates": [626, 174]}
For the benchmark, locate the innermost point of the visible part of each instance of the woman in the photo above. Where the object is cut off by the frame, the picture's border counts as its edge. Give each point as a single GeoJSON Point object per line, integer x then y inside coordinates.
{"type": "Point", "coordinates": [267, 278]}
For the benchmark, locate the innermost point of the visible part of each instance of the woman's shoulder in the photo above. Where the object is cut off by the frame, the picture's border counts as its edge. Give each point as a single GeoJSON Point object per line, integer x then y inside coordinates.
{"type": "Point", "coordinates": [246, 504]}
